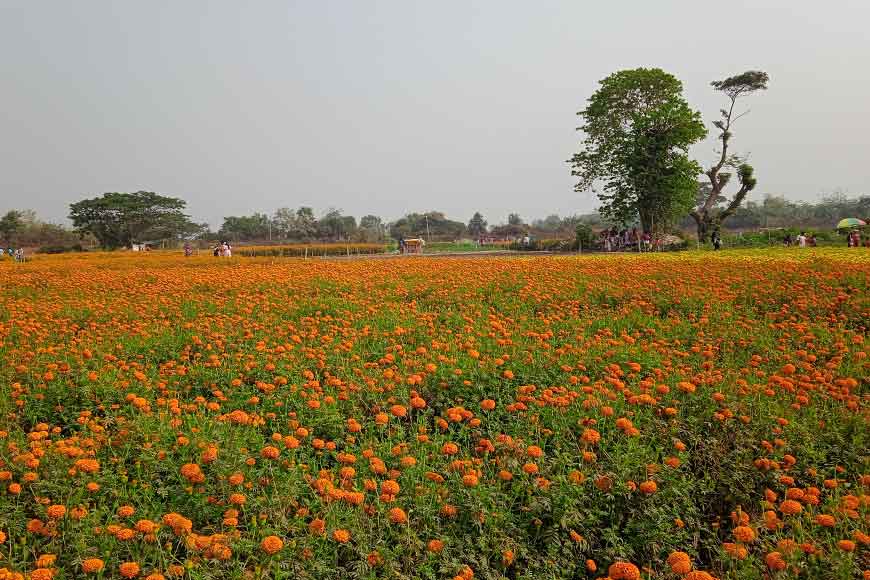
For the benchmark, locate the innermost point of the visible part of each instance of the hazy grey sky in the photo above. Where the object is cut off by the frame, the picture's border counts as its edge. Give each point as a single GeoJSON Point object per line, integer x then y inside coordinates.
{"type": "Point", "coordinates": [393, 106]}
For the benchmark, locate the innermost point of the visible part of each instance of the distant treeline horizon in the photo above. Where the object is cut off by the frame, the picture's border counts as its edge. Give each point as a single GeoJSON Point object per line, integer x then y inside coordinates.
{"type": "Point", "coordinates": [303, 224]}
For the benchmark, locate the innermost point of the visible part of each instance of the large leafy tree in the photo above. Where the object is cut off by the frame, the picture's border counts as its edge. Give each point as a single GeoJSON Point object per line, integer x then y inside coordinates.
{"type": "Point", "coordinates": [433, 223]}
{"type": "Point", "coordinates": [246, 227]}
{"type": "Point", "coordinates": [122, 219]}
{"type": "Point", "coordinates": [477, 225]}
{"type": "Point", "coordinates": [710, 213]}
{"type": "Point", "coordinates": [638, 129]}
{"type": "Point", "coordinates": [10, 224]}
{"type": "Point", "coordinates": [336, 226]}
{"type": "Point", "coordinates": [371, 228]}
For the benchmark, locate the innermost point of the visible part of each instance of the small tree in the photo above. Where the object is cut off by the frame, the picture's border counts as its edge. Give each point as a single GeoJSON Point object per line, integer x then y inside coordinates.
{"type": "Point", "coordinates": [708, 214]}
{"type": "Point", "coordinates": [246, 227]}
{"type": "Point", "coordinates": [584, 235]}
{"type": "Point", "coordinates": [305, 225]}
{"type": "Point", "coordinates": [476, 225]}
{"type": "Point", "coordinates": [371, 228]}
{"type": "Point", "coordinates": [10, 224]}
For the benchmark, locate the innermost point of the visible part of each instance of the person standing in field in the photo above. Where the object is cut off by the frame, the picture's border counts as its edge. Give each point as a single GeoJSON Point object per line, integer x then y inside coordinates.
{"type": "Point", "coordinates": [717, 240]}
{"type": "Point", "coordinates": [802, 240]}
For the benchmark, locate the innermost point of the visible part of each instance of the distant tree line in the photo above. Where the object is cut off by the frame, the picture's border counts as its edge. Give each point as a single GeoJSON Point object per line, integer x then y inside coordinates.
{"type": "Point", "coordinates": [118, 220]}
{"type": "Point", "coordinates": [22, 228]}
{"type": "Point", "coordinates": [776, 211]}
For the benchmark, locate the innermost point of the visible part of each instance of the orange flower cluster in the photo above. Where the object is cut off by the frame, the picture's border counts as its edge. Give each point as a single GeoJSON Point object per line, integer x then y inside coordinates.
{"type": "Point", "coordinates": [167, 417]}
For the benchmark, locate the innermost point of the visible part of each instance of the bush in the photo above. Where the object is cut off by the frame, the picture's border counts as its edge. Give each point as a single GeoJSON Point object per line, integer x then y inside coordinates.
{"type": "Point", "coordinates": [310, 250]}
{"type": "Point", "coordinates": [585, 236]}
{"type": "Point", "coordinates": [57, 249]}
{"type": "Point", "coordinates": [545, 246]}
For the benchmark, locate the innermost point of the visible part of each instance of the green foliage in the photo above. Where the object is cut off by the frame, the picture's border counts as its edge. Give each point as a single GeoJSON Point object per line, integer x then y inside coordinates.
{"type": "Point", "coordinates": [433, 223]}
{"type": "Point", "coordinates": [121, 219]}
{"type": "Point", "coordinates": [777, 211]}
{"type": "Point", "coordinates": [335, 226]}
{"type": "Point", "coordinates": [638, 129]}
{"type": "Point", "coordinates": [10, 224]}
{"type": "Point", "coordinates": [60, 249]}
{"type": "Point", "coordinates": [584, 236]}
{"type": "Point", "coordinates": [476, 225]}
{"type": "Point", "coordinates": [310, 250]}
{"type": "Point", "coordinates": [747, 82]}
{"type": "Point", "coordinates": [371, 229]}
{"type": "Point", "coordinates": [245, 227]}
{"type": "Point", "coordinates": [709, 214]}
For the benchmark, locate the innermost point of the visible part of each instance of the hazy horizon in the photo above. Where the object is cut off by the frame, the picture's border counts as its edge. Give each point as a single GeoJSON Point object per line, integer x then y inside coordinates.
{"type": "Point", "coordinates": [391, 107]}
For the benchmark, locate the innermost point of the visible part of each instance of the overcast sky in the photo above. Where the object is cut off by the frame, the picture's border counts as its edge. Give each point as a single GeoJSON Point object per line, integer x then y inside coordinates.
{"type": "Point", "coordinates": [387, 107]}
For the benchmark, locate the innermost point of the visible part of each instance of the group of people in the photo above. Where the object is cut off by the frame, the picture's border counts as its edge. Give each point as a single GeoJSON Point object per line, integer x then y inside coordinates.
{"type": "Point", "coordinates": [613, 240]}
{"type": "Point", "coordinates": [13, 253]}
{"type": "Point", "coordinates": [853, 240]}
{"type": "Point", "coordinates": [223, 249]}
{"type": "Point", "coordinates": [802, 240]}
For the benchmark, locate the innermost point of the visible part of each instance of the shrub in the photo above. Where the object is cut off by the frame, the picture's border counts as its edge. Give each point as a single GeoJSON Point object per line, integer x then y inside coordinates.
{"type": "Point", "coordinates": [310, 250]}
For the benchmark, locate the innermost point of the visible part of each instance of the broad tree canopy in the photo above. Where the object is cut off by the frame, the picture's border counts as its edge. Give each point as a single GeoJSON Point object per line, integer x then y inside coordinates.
{"type": "Point", "coordinates": [122, 219]}
{"type": "Point", "coordinates": [638, 129]}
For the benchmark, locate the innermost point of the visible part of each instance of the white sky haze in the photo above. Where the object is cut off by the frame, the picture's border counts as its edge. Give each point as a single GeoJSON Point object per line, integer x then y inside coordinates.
{"type": "Point", "coordinates": [387, 107]}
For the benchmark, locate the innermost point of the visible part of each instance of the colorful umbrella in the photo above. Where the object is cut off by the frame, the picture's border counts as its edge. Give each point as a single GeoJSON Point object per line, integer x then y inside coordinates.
{"type": "Point", "coordinates": [850, 223]}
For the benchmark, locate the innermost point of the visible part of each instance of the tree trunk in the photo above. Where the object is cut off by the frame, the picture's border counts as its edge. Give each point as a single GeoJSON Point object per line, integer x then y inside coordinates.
{"type": "Point", "coordinates": [702, 221]}
{"type": "Point", "coordinates": [646, 223]}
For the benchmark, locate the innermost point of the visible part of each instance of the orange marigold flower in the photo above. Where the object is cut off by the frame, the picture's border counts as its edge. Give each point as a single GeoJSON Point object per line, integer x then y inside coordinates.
{"type": "Point", "coordinates": [591, 436]}
{"type": "Point", "coordinates": [271, 544]}
{"type": "Point", "coordinates": [92, 565]}
{"type": "Point", "coordinates": [774, 561]}
{"type": "Point", "coordinates": [390, 487]}
{"type": "Point", "coordinates": [698, 575]}
{"type": "Point", "coordinates": [680, 562]}
{"type": "Point", "coordinates": [469, 480]}
{"type": "Point", "coordinates": [129, 569]}
{"type": "Point", "coordinates": [270, 452]}
{"type": "Point", "coordinates": [648, 487]}
{"type": "Point", "coordinates": [56, 511]}
{"type": "Point", "coordinates": [42, 574]}
{"type": "Point", "coordinates": [341, 536]}
{"type": "Point", "coordinates": [623, 571]}
{"type": "Point", "coordinates": [398, 516]}
{"type": "Point", "coordinates": [846, 545]}
{"type": "Point", "coordinates": [435, 546]}
{"type": "Point", "coordinates": [449, 448]}
{"type": "Point", "coordinates": [738, 551]}
{"type": "Point", "coordinates": [744, 534]}
{"type": "Point", "coordinates": [790, 507]}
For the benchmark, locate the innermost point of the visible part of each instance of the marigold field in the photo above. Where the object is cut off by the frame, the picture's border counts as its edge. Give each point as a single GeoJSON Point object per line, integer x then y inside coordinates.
{"type": "Point", "coordinates": [683, 416]}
